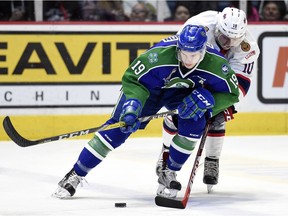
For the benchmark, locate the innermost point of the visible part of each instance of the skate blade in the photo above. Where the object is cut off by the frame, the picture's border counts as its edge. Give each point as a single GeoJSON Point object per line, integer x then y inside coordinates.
{"type": "Point", "coordinates": [166, 192]}
{"type": "Point", "coordinates": [61, 193]}
{"type": "Point", "coordinates": [209, 188]}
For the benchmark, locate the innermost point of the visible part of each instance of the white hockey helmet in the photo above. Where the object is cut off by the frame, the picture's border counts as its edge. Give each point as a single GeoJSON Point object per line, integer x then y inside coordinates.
{"type": "Point", "coordinates": [232, 22]}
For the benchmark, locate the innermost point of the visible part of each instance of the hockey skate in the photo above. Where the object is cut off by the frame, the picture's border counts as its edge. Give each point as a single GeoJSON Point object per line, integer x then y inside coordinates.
{"type": "Point", "coordinates": [67, 186]}
{"type": "Point", "coordinates": [211, 173]}
{"type": "Point", "coordinates": [161, 163]}
{"type": "Point", "coordinates": [168, 185]}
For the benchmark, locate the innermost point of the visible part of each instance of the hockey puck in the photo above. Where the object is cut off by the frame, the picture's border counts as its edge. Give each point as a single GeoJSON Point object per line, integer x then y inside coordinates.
{"type": "Point", "coordinates": [120, 205]}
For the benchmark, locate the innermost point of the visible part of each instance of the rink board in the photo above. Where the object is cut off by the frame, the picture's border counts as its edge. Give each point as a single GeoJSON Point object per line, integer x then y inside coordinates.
{"type": "Point", "coordinates": [34, 127]}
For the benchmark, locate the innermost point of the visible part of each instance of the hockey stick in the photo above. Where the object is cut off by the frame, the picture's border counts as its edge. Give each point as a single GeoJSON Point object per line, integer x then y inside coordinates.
{"type": "Point", "coordinates": [181, 204]}
{"type": "Point", "coordinates": [23, 142]}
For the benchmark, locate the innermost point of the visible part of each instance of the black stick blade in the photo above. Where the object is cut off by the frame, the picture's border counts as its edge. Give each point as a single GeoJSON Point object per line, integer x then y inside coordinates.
{"type": "Point", "coordinates": [14, 135]}
{"type": "Point", "coordinates": [170, 203]}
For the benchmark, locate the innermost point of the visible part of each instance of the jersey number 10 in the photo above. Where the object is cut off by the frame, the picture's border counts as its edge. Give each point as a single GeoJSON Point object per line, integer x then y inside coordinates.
{"type": "Point", "coordinates": [248, 68]}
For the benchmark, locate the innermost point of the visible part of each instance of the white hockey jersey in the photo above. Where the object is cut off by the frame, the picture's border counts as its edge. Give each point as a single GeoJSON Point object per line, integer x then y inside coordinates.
{"type": "Point", "coordinates": [242, 58]}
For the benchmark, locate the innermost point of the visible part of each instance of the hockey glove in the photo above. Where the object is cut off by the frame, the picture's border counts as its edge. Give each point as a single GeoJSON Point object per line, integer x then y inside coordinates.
{"type": "Point", "coordinates": [224, 116]}
{"type": "Point", "coordinates": [196, 104]}
{"type": "Point", "coordinates": [131, 110]}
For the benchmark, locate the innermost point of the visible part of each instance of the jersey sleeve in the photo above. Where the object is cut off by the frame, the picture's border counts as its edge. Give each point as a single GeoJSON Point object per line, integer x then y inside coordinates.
{"type": "Point", "coordinates": [206, 19]}
{"type": "Point", "coordinates": [131, 86]}
{"type": "Point", "coordinates": [222, 81]}
{"type": "Point", "coordinates": [225, 99]}
{"type": "Point", "coordinates": [243, 60]}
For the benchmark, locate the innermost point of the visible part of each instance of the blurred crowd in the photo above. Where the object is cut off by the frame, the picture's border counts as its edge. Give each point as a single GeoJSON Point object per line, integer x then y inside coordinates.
{"type": "Point", "coordinates": [133, 10]}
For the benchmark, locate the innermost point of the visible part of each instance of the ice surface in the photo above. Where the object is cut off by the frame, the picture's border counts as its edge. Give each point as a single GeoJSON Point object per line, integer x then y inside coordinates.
{"type": "Point", "coordinates": [253, 180]}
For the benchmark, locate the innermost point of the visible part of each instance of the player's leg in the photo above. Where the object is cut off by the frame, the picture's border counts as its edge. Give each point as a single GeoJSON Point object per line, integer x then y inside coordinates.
{"type": "Point", "coordinates": [182, 145]}
{"type": "Point", "coordinates": [96, 150]}
{"type": "Point", "coordinates": [169, 130]}
{"type": "Point", "coordinates": [213, 145]}
{"type": "Point", "coordinates": [92, 154]}
{"type": "Point", "coordinates": [170, 124]}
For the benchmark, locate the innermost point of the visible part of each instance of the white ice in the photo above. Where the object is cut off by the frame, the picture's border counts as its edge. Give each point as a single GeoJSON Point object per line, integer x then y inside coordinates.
{"type": "Point", "coordinates": [253, 180]}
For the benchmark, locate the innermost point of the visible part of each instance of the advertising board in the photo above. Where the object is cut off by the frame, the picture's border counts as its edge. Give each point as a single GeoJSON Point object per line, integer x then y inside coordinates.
{"type": "Point", "coordinates": [76, 69]}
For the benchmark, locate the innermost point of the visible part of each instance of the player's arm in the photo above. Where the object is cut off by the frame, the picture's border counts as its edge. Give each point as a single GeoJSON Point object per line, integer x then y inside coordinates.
{"type": "Point", "coordinates": [244, 64]}
{"type": "Point", "coordinates": [131, 85]}
{"type": "Point", "coordinates": [244, 74]}
{"type": "Point", "coordinates": [224, 100]}
{"type": "Point", "coordinates": [136, 95]}
{"type": "Point", "coordinates": [206, 18]}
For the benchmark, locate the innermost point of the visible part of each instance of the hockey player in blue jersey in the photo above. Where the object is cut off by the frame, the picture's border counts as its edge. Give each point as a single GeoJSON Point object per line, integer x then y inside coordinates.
{"type": "Point", "coordinates": [180, 72]}
{"type": "Point", "coordinates": [227, 32]}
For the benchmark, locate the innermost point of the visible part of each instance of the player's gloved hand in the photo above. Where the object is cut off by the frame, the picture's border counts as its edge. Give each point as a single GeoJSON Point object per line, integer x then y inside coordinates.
{"type": "Point", "coordinates": [196, 104]}
{"type": "Point", "coordinates": [224, 116]}
{"type": "Point", "coordinates": [131, 110]}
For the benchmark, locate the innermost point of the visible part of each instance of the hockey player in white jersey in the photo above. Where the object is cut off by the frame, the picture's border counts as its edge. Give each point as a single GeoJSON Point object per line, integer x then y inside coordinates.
{"type": "Point", "coordinates": [227, 32]}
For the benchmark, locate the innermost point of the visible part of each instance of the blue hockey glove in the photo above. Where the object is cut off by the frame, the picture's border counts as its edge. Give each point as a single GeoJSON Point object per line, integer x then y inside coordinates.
{"type": "Point", "coordinates": [196, 104]}
{"type": "Point", "coordinates": [131, 110]}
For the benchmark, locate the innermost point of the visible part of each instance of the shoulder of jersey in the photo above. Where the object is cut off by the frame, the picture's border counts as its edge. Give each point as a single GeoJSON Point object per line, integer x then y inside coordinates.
{"type": "Point", "coordinates": [206, 19]}
{"type": "Point", "coordinates": [248, 49]}
{"type": "Point", "coordinates": [166, 42]}
{"type": "Point", "coordinates": [211, 50]}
